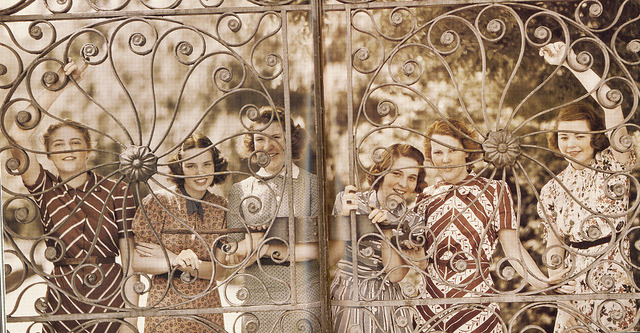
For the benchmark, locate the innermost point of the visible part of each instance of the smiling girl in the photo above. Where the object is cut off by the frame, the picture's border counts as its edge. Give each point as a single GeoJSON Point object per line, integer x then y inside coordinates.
{"type": "Point", "coordinates": [254, 203]}
{"type": "Point", "coordinates": [580, 216]}
{"type": "Point", "coordinates": [467, 216]}
{"type": "Point", "coordinates": [85, 218]}
{"type": "Point", "coordinates": [189, 205]}
{"type": "Point", "coordinates": [403, 177]}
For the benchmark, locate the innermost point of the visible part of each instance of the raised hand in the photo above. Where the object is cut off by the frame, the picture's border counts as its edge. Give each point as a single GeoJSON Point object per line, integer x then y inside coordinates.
{"type": "Point", "coordinates": [71, 69]}
{"type": "Point", "coordinates": [554, 53]}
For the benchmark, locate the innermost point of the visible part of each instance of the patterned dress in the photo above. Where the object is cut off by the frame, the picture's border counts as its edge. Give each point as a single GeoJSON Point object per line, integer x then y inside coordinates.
{"type": "Point", "coordinates": [463, 222]}
{"type": "Point", "coordinates": [83, 289]}
{"type": "Point", "coordinates": [372, 285]}
{"type": "Point", "coordinates": [572, 223]}
{"type": "Point", "coordinates": [266, 282]}
{"type": "Point", "coordinates": [163, 213]}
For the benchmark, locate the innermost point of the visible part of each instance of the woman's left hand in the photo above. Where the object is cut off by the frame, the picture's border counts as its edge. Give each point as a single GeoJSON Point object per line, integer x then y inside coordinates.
{"type": "Point", "coordinates": [186, 260]}
{"type": "Point", "coordinates": [152, 250]}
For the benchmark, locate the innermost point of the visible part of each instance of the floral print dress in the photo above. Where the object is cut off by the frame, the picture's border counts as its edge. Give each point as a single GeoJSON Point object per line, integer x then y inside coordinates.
{"type": "Point", "coordinates": [583, 213]}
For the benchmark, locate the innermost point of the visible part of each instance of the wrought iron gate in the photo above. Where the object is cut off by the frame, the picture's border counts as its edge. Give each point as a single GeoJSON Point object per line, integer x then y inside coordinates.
{"type": "Point", "coordinates": [358, 76]}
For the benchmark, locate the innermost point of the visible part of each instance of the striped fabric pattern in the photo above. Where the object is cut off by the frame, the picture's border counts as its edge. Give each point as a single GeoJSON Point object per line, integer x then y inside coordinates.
{"type": "Point", "coordinates": [77, 231]}
{"type": "Point", "coordinates": [371, 284]}
{"type": "Point", "coordinates": [465, 220]}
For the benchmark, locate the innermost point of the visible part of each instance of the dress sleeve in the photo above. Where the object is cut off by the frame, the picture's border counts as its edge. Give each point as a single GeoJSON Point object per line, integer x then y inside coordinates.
{"type": "Point", "coordinates": [234, 219]}
{"type": "Point", "coordinates": [149, 212]}
{"type": "Point", "coordinates": [546, 209]}
{"type": "Point", "coordinates": [506, 216]}
{"type": "Point", "coordinates": [605, 160]}
{"type": "Point", "coordinates": [40, 183]}
{"type": "Point", "coordinates": [125, 209]}
{"type": "Point", "coordinates": [337, 204]}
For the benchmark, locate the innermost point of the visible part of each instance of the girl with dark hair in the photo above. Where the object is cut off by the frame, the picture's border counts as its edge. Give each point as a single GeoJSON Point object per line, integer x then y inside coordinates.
{"type": "Point", "coordinates": [466, 217]}
{"type": "Point", "coordinates": [400, 175]}
{"type": "Point", "coordinates": [85, 218]}
{"type": "Point", "coordinates": [254, 204]}
{"type": "Point", "coordinates": [190, 207]}
{"type": "Point", "coordinates": [581, 214]}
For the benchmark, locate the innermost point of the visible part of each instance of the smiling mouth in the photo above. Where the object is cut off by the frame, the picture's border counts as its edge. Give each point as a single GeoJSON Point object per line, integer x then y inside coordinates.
{"type": "Point", "coordinates": [200, 181]}
{"type": "Point", "coordinates": [69, 158]}
{"type": "Point", "coordinates": [401, 192]}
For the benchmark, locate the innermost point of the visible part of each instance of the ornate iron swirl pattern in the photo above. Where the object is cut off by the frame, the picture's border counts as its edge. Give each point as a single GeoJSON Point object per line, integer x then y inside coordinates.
{"type": "Point", "coordinates": [136, 128]}
{"type": "Point", "coordinates": [407, 66]}
{"type": "Point", "coordinates": [409, 82]}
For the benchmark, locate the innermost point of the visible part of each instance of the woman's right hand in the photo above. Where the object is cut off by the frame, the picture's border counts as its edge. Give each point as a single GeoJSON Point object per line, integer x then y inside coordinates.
{"type": "Point", "coordinates": [349, 200]}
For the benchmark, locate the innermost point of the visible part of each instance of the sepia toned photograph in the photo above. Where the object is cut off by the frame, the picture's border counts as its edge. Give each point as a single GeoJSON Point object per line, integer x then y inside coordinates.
{"type": "Point", "coordinates": [349, 166]}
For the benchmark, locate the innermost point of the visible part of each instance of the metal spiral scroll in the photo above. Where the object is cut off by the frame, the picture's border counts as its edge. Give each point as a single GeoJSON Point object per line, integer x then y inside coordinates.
{"type": "Point", "coordinates": [136, 153]}
{"type": "Point", "coordinates": [512, 138]}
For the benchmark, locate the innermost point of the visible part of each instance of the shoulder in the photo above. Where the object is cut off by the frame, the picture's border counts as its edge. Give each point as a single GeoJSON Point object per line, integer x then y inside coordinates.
{"type": "Point", "coordinates": [159, 197]}
{"type": "Point", "coordinates": [605, 160]}
{"type": "Point", "coordinates": [217, 200]}
{"type": "Point", "coordinates": [307, 176]}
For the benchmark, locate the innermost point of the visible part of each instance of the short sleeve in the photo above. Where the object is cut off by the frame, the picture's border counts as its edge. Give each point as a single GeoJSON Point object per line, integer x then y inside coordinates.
{"type": "Point", "coordinates": [314, 209]}
{"type": "Point", "coordinates": [506, 215]}
{"type": "Point", "coordinates": [337, 204]}
{"type": "Point", "coordinates": [39, 185]}
{"type": "Point", "coordinates": [606, 161]}
{"type": "Point", "coordinates": [149, 212]}
{"type": "Point", "coordinates": [125, 210]}
{"type": "Point", "coordinates": [546, 209]}
{"type": "Point", "coordinates": [234, 219]}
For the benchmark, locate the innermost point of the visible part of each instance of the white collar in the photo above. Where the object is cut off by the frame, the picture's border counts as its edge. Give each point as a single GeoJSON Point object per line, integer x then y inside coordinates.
{"type": "Point", "coordinates": [295, 171]}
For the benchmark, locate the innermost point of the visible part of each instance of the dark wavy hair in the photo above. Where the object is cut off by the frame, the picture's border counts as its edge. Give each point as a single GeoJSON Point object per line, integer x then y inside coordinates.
{"type": "Point", "coordinates": [581, 111]}
{"type": "Point", "coordinates": [268, 114]}
{"type": "Point", "coordinates": [393, 152]}
{"type": "Point", "coordinates": [46, 137]}
{"type": "Point", "coordinates": [458, 130]}
{"type": "Point", "coordinates": [198, 141]}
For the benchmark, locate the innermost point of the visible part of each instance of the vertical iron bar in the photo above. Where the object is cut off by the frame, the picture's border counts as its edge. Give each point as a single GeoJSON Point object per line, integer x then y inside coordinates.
{"type": "Point", "coordinates": [288, 161]}
{"type": "Point", "coordinates": [318, 98]}
{"type": "Point", "coordinates": [3, 319]}
{"type": "Point", "coordinates": [351, 137]}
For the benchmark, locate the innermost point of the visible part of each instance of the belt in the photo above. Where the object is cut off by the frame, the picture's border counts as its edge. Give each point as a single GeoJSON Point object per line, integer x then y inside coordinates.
{"type": "Point", "coordinates": [589, 244]}
{"type": "Point", "coordinates": [89, 260]}
{"type": "Point", "coordinates": [464, 263]}
{"type": "Point", "coordinates": [267, 261]}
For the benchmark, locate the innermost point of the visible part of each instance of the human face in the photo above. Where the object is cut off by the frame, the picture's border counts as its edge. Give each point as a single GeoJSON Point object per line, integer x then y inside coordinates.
{"type": "Point", "coordinates": [273, 143]}
{"type": "Point", "coordinates": [575, 145]}
{"type": "Point", "coordinates": [194, 166]}
{"type": "Point", "coordinates": [401, 180]}
{"type": "Point", "coordinates": [450, 161]}
{"type": "Point", "coordinates": [68, 163]}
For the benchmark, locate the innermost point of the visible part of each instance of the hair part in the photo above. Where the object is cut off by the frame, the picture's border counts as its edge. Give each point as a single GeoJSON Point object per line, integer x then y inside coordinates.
{"type": "Point", "coordinates": [197, 140]}
{"type": "Point", "coordinates": [46, 137]}
{"type": "Point", "coordinates": [455, 129]}
{"type": "Point", "coordinates": [394, 152]}
{"type": "Point", "coordinates": [581, 111]}
{"type": "Point", "coordinates": [268, 115]}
